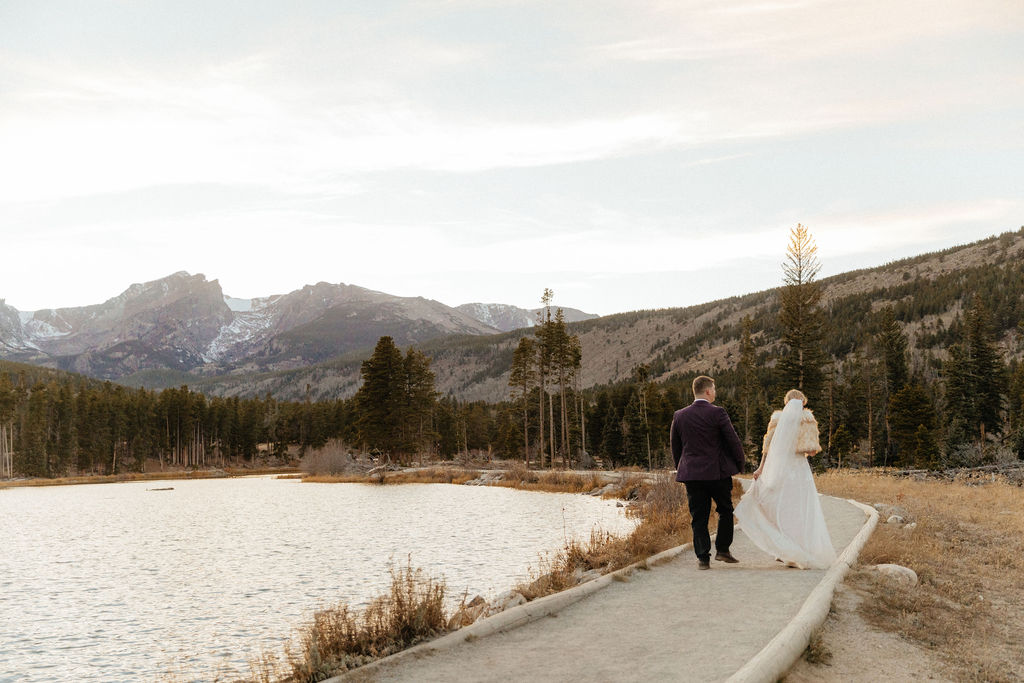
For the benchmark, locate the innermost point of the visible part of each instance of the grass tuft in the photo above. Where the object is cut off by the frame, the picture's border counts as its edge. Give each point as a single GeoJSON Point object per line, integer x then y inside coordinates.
{"type": "Point", "coordinates": [817, 651]}
{"type": "Point", "coordinates": [341, 638]}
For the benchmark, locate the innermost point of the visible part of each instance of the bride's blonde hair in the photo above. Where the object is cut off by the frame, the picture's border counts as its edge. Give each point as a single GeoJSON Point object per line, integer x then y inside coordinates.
{"type": "Point", "coordinates": [795, 393]}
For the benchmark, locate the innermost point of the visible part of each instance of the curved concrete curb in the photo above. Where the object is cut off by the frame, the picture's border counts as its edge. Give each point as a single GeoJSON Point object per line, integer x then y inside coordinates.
{"type": "Point", "coordinates": [509, 619]}
{"type": "Point", "coordinates": [782, 652]}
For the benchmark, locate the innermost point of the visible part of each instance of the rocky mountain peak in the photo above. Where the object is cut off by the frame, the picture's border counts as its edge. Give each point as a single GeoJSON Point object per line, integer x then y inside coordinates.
{"type": "Point", "coordinates": [185, 322]}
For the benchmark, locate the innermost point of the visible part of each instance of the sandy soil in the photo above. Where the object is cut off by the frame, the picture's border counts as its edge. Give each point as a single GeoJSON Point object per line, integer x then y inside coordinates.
{"type": "Point", "coordinates": [848, 649]}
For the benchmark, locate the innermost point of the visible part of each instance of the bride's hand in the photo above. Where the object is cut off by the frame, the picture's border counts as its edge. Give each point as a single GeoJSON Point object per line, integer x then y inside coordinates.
{"type": "Point", "coordinates": [757, 473]}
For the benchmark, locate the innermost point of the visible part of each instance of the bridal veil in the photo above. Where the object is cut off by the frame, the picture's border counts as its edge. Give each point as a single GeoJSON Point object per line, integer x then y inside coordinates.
{"type": "Point", "coordinates": [781, 512]}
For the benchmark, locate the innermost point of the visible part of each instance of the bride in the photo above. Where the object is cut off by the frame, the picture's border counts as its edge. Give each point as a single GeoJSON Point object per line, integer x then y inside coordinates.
{"type": "Point", "coordinates": [780, 512]}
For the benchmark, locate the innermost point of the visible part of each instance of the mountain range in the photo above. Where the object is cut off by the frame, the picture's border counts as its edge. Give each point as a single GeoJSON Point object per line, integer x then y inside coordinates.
{"type": "Point", "coordinates": [185, 323]}
{"type": "Point", "coordinates": [182, 329]}
{"type": "Point", "coordinates": [928, 292]}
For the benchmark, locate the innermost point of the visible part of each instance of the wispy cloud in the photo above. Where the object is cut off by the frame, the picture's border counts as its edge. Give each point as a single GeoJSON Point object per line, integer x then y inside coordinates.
{"type": "Point", "coordinates": [870, 232]}
{"type": "Point", "coordinates": [782, 32]}
{"type": "Point", "coordinates": [396, 145]}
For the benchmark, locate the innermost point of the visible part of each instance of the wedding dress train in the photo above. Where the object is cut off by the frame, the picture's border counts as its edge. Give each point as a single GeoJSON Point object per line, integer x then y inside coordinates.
{"type": "Point", "coordinates": [781, 512]}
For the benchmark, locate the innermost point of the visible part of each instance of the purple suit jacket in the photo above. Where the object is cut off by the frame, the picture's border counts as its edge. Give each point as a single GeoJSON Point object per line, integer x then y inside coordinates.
{"type": "Point", "coordinates": [705, 445]}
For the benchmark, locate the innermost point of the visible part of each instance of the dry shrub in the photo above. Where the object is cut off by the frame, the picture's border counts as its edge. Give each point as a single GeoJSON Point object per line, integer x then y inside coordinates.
{"type": "Point", "coordinates": [817, 651]}
{"type": "Point", "coordinates": [432, 475]}
{"type": "Point", "coordinates": [340, 638]}
{"type": "Point", "coordinates": [333, 458]}
{"type": "Point", "coordinates": [426, 475]}
{"type": "Point", "coordinates": [519, 472]}
{"type": "Point", "coordinates": [350, 478]}
{"type": "Point", "coordinates": [570, 482]}
{"type": "Point", "coordinates": [968, 552]}
{"type": "Point", "coordinates": [518, 476]}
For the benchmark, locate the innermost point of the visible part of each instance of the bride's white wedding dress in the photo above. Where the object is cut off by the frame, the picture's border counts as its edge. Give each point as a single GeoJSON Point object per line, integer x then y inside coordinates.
{"type": "Point", "coordinates": [781, 512]}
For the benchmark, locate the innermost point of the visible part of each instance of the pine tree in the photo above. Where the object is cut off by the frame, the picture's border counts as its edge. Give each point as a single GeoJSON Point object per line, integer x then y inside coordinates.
{"type": "Point", "coordinates": [634, 434]}
{"type": "Point", "coordinates": [523, 378]}
{"type": "Point", "coordinates": [909, 409]}
{"type": "Point", "coordinates": [566, 358]}
{"type": "Point", "coordinates": [801, 319]}
{"type": "Point", "coordinates": [893, 344]}
{"type": "Point", "coordinates": [612, 438]}
{"type": "Point", "coordinates": [418, 400]}
{"type": "Point", "coordinates": [976, 377]}
{"type": "Point", "coordinates": [380, 398]}
{"type": "Point", "coordinates": [747, 378]}
{"type": "Point", "coordinates": [1016, 409]}
{"type": "Point", "coordinates": [926, 449]}
{"type": "Point", "coordinates": [641, 423]}
{"type": "Point", "coordinates": [542, 331]}
{"type": "Point", "coordinates": [8, 405]}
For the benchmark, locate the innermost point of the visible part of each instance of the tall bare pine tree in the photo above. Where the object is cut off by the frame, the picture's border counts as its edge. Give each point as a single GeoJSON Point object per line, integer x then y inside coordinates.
{"type": "Point", "coordinates": [802, 322]}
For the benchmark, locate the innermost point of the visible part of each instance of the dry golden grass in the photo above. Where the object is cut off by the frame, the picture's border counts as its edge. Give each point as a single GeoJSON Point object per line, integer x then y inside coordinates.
{"type": "Point", "coordinates": [426, 475]}
{"type": "Point", "coordinates": [517, 476]}
{"type": "Point", "coordinates": [968, 551]}
{"type": "Point", "coordinates": [552, 481]}
{"type": "Point", "coordinates": [340, 638]}
{"type": "Point", "coordinates": [145, 476]}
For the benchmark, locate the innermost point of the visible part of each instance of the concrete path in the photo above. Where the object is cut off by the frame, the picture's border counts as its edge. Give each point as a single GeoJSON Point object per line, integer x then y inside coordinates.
{"type": "Point", "coordinates": [667, 623]}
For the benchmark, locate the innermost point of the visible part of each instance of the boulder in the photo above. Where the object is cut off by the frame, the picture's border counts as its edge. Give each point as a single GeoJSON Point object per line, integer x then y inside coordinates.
{"type": "Point", "coordinates": [898, 573]}
{"type": "Point", "coordinates": [584, 576]}
{"type": "Point", "coordinates": [506, 600]}
{"type": "Point", "coordinates": [468, 613]}
{"type": "Point", "coordinates": [485, 479]}
{"type": "Point", "coordinates": [889, 510]}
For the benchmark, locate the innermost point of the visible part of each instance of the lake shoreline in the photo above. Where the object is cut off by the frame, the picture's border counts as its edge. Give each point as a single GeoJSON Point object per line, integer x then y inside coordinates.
{"type": "Point", "coordinates": [221, 567]}
{"type": "Point", "coordinates": [168, 475]}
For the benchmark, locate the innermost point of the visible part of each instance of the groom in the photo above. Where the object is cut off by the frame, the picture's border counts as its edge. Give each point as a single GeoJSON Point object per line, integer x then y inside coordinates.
{"type": "Point", "coordinates": [707, 452]}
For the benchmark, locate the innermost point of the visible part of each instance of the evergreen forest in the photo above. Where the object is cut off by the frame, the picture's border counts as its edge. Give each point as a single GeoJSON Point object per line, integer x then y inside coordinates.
{"type": "Point", "coordinates": [922, 371]}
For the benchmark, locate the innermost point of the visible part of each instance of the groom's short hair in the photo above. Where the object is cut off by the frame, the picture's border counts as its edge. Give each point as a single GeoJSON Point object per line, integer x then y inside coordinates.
{"type": "Point", "coordinates": [701, 384]}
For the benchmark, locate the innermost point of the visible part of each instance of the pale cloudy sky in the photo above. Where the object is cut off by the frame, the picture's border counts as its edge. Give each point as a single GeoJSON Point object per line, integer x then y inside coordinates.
{"type": "Point", "coordinates": [628, 154]}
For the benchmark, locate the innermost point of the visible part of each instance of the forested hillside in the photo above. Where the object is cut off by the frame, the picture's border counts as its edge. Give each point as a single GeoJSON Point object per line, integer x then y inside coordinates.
{"type": "Point", "coordinates": [917, 364]}
{"type": "Point", "coordinates": [927, 292]}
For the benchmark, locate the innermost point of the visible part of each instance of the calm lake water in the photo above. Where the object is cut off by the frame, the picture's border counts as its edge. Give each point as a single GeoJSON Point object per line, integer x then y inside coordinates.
{"type": "Point", "coordinates": [119, 582]}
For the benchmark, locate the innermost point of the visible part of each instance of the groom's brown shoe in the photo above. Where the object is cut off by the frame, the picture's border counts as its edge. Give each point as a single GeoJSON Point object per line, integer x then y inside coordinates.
{"type": "Point", "coordinates": [703, 564]}
{"type": "Point", "coordinates": [726, 557]}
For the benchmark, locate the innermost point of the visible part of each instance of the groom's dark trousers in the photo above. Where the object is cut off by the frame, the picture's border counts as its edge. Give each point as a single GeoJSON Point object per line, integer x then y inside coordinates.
{"type": "Point", "coordinates": [699, 495]}
{"type": "Point", "coordinates": [707, 453]}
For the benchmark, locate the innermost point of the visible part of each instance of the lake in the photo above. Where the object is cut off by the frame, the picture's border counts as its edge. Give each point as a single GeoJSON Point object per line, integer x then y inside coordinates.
{"type": "Point", "coordinates": [121, 582]}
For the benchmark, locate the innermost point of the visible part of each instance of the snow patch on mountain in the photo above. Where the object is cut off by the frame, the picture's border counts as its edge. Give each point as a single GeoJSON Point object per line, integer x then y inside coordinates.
{"type": "Point", "coordinates": [504, 317]}
{"type": "Point", "coordinates": [238, 305]}
{"type": "Point", "coordinates": [245, 329]}
{"type": "Point", "coordinates": [36, 329]}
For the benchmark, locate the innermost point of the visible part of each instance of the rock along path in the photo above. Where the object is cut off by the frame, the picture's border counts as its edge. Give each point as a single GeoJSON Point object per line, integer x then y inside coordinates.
{"type": "Point", "coordinates": [740, 622]}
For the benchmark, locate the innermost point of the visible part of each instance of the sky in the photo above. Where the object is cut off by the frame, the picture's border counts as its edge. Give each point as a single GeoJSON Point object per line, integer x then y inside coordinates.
{"type": "Point", "coordinates": [626, 154]}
